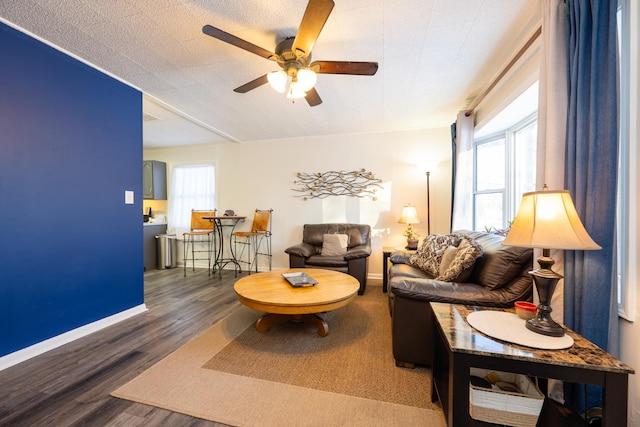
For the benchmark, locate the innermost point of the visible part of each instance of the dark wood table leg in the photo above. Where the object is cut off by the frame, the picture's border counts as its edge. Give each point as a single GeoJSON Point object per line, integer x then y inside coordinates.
{"type": "Point", "coordinates": [385, 270]}
{"type": "Point", "coordinates": [434, 390]}
{"type": "Point", "coordinates": [459, 365]}
{"type": "Point", "coordinates": [614, 405]}
{"type": "Point", "coordinates": [437, 366]}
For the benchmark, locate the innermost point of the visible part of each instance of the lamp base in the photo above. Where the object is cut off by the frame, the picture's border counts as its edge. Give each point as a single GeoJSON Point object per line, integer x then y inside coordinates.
{"type": "Point", "coordinates": [545, 327]}
{"type": "Point", "coordinates": [412, 244]}
{"type": "Point", "coordinates": [545, 280]}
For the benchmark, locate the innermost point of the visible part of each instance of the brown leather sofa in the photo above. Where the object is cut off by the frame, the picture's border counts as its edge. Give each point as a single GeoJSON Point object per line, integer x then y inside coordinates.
{"type": "Point", "coordinates": [499, 278]}
{"type": "Point", "coordinates": [308, 254]}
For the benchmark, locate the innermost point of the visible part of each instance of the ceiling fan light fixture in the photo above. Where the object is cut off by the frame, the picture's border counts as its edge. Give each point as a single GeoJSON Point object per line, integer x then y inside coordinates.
{"type": "Point", "coordinates": [295, 91]}
{"type": "Point", "coordinates": [278, 80]}
{"type": "Point", "coordinates": [306, 79]}
{"type": "Point", "coordinates": [293, 54]}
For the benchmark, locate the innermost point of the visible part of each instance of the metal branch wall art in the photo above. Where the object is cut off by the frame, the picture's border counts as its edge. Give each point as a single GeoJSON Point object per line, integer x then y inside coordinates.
{"type": "Point", "coordinates": [337, 183]}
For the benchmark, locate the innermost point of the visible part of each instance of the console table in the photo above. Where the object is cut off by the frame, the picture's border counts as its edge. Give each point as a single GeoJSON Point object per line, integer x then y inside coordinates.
{"type": "Point", "coordinates": [458, 347]}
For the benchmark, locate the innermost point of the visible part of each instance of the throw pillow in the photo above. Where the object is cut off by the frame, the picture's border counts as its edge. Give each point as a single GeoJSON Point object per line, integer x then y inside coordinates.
{"type": "Point", "coordinates": [462, 264]}
{"type": "Point", "coordinates": [429, 255]}
{"type": "Point", "coordinates": [447, 257]}
{"type": "Point", "coordinates": [334, 244]}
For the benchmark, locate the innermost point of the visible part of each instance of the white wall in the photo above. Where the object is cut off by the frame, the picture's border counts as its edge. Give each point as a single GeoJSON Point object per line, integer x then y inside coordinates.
{"type": "Point", "coordinates": [262, 174]}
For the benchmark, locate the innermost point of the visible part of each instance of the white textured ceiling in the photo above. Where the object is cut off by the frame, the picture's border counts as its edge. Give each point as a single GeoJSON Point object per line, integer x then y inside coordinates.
{"type": "Point", "coordinates": [433, 55]}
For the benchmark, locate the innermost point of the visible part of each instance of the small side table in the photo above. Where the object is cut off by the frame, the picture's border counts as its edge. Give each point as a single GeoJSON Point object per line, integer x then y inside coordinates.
{"type": "Point", "coordinates": [457, 347]}
{"type": "Point", "coordinates": [386, 253]}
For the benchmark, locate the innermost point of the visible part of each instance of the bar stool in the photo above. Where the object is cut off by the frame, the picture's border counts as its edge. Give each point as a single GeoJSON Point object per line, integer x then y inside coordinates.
{"type": "Point", "coordinates": [201, 231]}
{"type": "Point", "coordinates": [260, 231]}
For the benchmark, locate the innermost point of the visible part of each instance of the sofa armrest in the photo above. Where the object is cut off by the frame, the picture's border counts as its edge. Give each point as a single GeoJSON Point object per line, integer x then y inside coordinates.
{"type": "Point", "coordinates": [361, 251]}
{"type": "Point", "coordinates": [435, 290]}
{"type": "Point", "coordinates": [303, 250]}
{"type": "Point", "coordinates": [400, 257]}
{"type": "Point", "coordinates": [462, 293]}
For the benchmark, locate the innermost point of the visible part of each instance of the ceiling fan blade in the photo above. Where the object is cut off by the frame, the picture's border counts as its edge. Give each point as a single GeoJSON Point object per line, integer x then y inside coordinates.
{"type": "Point", "coordinates": [217, 33]}
{"type": "Point", "coordinates": [345, 67]}
{"type": "Point", "coordinates": [252, 84]}
{"type": "Point", "coordinates": [313, 98]}
{"type": "Point", "coordinates": [313, 21]}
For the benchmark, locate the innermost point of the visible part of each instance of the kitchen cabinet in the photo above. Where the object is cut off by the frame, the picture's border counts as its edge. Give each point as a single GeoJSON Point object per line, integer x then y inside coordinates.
{"type": "Point", "coordinates": [154, 180]}
{"type": "Point", "coordinates": [150, 245]}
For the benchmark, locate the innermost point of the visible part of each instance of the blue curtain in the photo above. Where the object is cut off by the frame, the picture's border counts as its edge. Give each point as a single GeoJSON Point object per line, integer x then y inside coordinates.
{"type": "Point", "coordinates": [591, 170]}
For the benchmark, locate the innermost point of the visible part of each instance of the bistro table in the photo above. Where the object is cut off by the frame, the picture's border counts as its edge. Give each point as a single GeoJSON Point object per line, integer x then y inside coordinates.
{"type": "Point", "coordinates": [222, 222]}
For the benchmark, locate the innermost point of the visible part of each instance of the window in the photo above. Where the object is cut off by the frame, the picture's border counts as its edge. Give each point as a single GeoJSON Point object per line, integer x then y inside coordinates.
{"type": "Point", "coordinates": [624, 288]}
{"type": "Point", "coordinates": [488, 197]}
{"type": "Point", "coordinates": [192, 187]}
{"type": "Point", "coordinates": [505, 168]}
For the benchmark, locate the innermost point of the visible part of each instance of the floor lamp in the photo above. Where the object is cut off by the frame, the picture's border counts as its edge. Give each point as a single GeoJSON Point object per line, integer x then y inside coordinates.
{"type": "Point", "coordinates": [428, 206]}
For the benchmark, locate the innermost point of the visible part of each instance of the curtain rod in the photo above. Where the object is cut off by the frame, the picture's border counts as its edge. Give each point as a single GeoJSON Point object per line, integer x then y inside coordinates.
{"type": "Point", "coordinates": [506, 69]}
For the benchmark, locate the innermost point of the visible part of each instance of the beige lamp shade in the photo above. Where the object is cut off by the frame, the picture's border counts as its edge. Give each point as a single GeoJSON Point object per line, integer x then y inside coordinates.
{"type": "Point", "coordinates": [549, 220]}
{"type": "Point", "coordinates": [409, 215]}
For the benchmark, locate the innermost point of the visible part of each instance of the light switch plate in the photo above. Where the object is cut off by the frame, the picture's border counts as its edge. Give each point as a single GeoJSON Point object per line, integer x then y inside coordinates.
{"type": "Point", "coordinates": [128, 197]}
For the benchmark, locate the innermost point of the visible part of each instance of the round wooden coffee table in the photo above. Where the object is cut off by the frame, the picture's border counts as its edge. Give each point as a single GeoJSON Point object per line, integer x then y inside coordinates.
{"type": "Point", "coordinates": [270, 292]}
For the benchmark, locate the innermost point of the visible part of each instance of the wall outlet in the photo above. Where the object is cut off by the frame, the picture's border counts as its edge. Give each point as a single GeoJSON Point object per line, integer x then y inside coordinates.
{"type": "Point", "coordinates": [128, 197]}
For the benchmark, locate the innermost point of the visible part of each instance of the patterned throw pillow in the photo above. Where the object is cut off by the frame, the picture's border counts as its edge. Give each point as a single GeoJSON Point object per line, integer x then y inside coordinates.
{"type": "Point", "coordinates": [465, 257]}
{"type": "Point", "coordinates": [429, 255]}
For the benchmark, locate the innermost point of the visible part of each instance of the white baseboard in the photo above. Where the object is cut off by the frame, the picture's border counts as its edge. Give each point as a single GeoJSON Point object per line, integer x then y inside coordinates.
{"type": "Point", "coordinates": [59, 340]}
{"type": "Point", "coordinates": [376, 277]}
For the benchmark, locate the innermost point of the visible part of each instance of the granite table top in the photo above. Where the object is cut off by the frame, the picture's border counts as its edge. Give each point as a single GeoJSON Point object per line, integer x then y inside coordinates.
{"type": "Point", "coordinates": [463, 338]}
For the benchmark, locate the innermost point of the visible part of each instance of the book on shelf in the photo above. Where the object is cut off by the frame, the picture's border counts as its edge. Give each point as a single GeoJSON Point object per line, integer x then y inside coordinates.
{"type": "Point", "coordinates": [299, 279]}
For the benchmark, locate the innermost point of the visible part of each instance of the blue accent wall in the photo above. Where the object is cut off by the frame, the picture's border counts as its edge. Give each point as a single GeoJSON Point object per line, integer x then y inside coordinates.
{"type": "Point", "coordinates": [70, 145]}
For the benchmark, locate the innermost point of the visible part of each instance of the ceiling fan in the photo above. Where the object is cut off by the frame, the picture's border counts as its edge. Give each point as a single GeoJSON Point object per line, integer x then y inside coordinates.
{"type": "Point", "coordinates": [297, 75]}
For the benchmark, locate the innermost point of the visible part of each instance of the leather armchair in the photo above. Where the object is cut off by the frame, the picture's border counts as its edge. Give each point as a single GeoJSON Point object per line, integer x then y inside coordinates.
{"type": "Point", "coordinates": [308, 254]}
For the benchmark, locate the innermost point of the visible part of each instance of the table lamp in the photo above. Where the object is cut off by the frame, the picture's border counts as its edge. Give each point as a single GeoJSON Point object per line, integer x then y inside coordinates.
{"type": "Point", "coordinates": [409, 216]}
{"type": "Point", "coordinates": [548, 220]}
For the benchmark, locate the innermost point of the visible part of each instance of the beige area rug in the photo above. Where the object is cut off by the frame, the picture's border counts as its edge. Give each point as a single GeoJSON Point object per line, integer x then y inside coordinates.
{"type": "Point", "coordinates": [290, 376]}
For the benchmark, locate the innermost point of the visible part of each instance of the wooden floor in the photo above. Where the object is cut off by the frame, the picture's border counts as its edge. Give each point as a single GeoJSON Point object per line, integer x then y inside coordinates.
{"type": "Point", "coordinates": [70, 385]}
